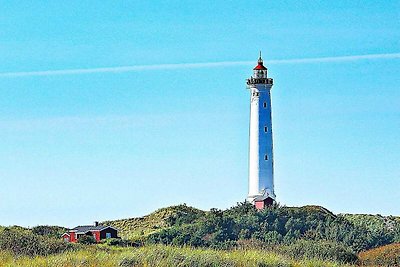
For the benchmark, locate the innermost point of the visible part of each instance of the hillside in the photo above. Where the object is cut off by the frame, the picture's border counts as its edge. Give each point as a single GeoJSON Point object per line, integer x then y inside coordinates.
{"type": "Point", "coordinates": [184, 225]}
{"type": "Point", "coordinates": [295, 236]}
{"type": "Point", "coordinates": [270, 225]}
{"type": "Point", "coordinates": [135, 228]}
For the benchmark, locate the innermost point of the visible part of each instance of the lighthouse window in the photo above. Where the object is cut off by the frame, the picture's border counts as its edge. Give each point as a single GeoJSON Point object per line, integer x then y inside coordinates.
{"type": "Point", "coordinates": [265, 129]}
{"type": "Point", "coordinates": [265, 104]}
{"type": "Point", "coordinates": [266, 157]}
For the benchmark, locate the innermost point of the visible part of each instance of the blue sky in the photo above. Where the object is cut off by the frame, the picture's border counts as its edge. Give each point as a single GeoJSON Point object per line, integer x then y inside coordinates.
{"type": "Point", "coordinates": [80, 147]}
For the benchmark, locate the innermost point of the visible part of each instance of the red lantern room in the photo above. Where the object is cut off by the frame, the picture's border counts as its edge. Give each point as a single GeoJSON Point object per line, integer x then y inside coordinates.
{"type": "Point", "coordinates": [260, 71]}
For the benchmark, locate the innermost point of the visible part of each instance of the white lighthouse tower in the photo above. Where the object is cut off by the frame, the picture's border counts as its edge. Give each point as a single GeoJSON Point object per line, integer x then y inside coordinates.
{"type": "Point", "coordinates": [261, 160]}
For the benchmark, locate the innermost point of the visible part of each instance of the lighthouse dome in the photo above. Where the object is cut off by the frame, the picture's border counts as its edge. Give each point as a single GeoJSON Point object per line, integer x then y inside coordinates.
{"type": "Point", "coordinates": [260, 71]}
{"type": "Point", "coordinates": [260, 67]}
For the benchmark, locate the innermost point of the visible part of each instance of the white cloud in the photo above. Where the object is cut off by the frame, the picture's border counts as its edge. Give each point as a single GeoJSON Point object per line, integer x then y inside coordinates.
{"type": "Point", "coordinates": [135, 68]}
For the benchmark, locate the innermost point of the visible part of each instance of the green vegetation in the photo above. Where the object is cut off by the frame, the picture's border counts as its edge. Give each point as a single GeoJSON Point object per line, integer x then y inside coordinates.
{"type": "Point", "coordinates": [239, 236]}
{"type": "Point", "coordinates": [377, 224]}
{"type": "Point", "coordinates": [272, 226]}
{"type": "Point", "coordinates": [87, 240]}
{"type": "Point", "coordinates": [373, 222]}
{"type": "Point", "coordinates": [49, 231]}
{"type": "Point", "coordinates": [24, 242]}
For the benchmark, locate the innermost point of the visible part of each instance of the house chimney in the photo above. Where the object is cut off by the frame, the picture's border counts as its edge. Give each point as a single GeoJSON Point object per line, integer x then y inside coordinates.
{"type": "Point", "coordinates": [96, 223]}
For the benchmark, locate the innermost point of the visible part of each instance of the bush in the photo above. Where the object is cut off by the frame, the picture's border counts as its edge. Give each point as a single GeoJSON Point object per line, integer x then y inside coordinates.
{"type": "Point", "coordinates": [113, 242]}
{"type": "Point", "coordinates": [397, 234]}
{"type": "Point", "coordinates": [388, 255]}
{"type": "Point", "coordinates": [120, 242]}
{"type": "Point", "coordinates": [87, 240]}
{"type": "Point", "coordinates": [50, 231]}
{"type": "Point", "coordinates": [26, 243]}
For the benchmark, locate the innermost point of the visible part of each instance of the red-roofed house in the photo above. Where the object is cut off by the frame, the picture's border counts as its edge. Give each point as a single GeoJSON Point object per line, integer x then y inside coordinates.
{"type": "Point", "coordinates": [99, 232]}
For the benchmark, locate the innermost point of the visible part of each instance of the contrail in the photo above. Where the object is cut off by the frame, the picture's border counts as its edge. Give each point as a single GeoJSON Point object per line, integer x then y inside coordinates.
{"type": "Point", "coordinates": [196, 65]}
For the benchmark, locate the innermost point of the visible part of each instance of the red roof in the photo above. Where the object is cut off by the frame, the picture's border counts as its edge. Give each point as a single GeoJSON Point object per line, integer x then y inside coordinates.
{"type": "Point", "coordinates": [260, 66]}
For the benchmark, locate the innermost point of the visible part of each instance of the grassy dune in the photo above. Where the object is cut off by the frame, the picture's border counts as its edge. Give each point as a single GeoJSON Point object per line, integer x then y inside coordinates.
{"type": "Point", "coordinates": [239, 236]}
{"type": "Point", "coordinates": [136, 228]}
{"type": "Point", "coordinates": [160, 256]}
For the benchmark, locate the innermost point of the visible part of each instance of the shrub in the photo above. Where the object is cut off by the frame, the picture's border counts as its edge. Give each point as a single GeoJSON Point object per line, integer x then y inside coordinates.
{"type": "Point", "coordinates": [50, 231]}
{"type": "Point", "coordinates": [113, 242]}
{"type": "Point", "coordinates": [26, 243]}
{"type": "Point", "coordinates": [87, 240]}
{"type": "Point", "coordinates": [397, 234]}
{"type": "Point", "coordinates": [120, 242]}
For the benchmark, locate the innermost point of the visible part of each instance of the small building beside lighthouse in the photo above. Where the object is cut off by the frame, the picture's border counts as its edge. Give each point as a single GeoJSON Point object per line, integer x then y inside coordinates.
{"type": "Point", "coordinates": [261, 158]}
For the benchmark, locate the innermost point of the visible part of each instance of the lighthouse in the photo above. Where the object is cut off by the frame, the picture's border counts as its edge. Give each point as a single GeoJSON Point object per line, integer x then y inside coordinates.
{"type": "Point", "coordinates": [261, 158]}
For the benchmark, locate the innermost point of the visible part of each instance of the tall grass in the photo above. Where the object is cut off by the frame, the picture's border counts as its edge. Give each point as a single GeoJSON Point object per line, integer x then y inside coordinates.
{"type": "Point", "coordinates": [159, 255]}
